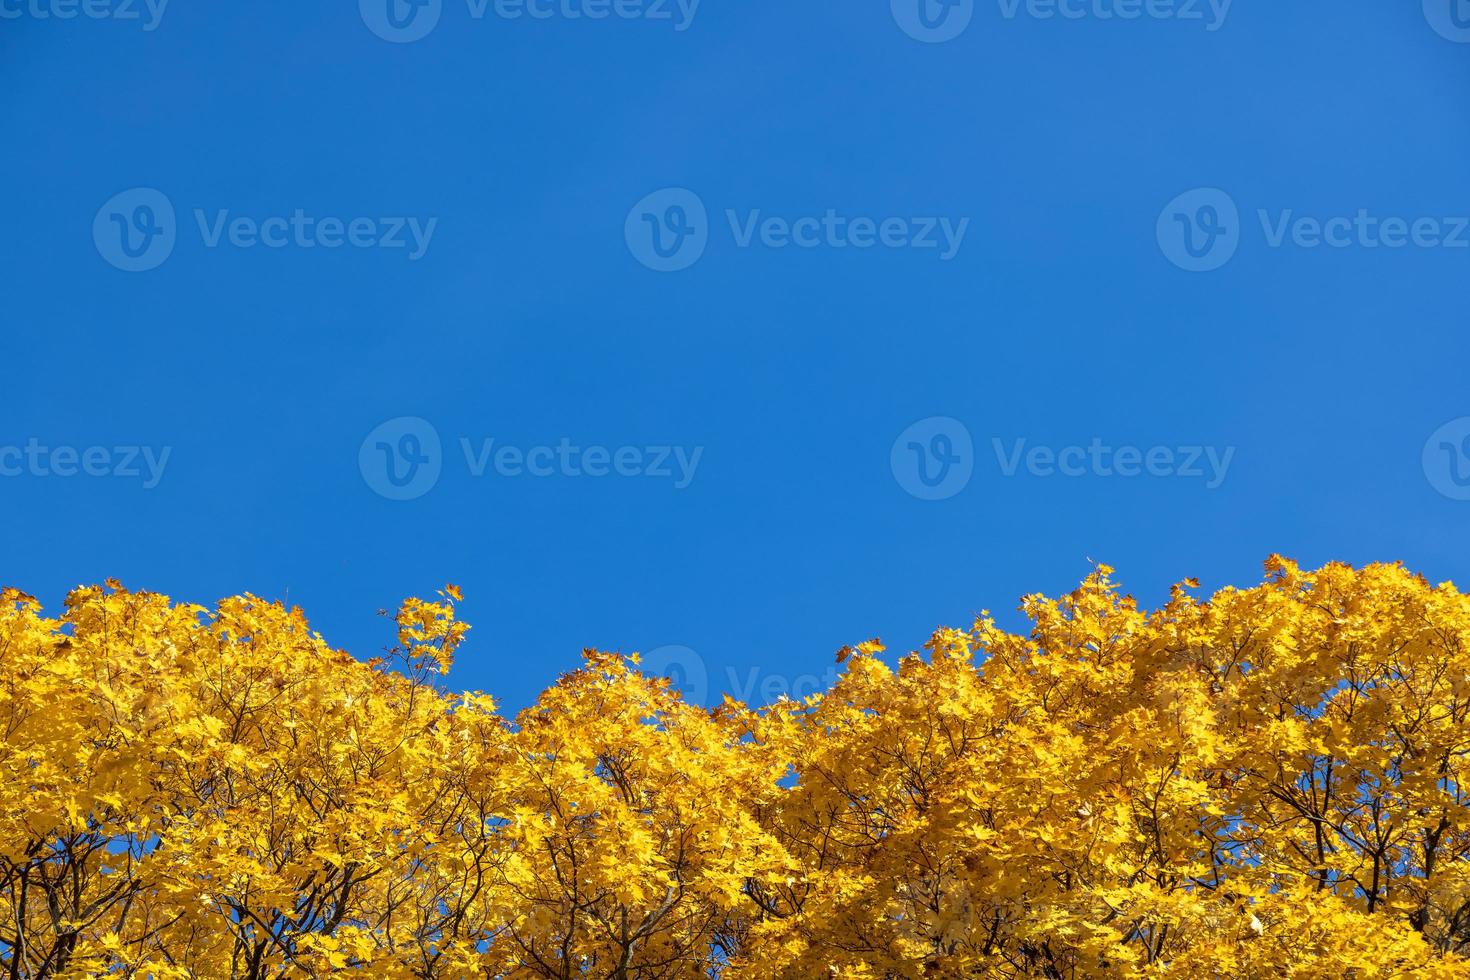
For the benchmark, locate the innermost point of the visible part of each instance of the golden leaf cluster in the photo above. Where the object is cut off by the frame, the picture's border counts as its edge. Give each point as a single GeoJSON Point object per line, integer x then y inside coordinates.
{"type": "Point", "coordinates": [1263, 783]}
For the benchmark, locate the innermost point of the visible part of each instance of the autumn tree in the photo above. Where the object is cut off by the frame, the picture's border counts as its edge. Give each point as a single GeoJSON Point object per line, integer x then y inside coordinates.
{"type": "Point", "coordinates": [1265, 782]}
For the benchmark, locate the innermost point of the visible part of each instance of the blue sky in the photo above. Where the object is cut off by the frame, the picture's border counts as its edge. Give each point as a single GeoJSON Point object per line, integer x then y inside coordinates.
{"type": "Point", "coordinates": [791, 324]}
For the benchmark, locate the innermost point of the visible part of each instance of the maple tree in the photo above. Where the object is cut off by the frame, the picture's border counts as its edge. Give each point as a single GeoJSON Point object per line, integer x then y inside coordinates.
{"type": "Point", "coordinates": [1265, 782]}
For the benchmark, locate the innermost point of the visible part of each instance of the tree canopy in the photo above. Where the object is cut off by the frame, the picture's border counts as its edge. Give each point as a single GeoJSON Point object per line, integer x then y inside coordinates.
{"type": "Point", "coordinates": [1260, 783]}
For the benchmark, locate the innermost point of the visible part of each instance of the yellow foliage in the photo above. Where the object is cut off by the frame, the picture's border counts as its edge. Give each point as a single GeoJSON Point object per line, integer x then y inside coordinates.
{"type": "Point", "coordinates": [1261, 784]}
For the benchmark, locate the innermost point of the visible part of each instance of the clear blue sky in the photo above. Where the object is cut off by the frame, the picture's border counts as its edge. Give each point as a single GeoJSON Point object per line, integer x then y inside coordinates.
{"type": "Point", "coordinates": [1109, 292]}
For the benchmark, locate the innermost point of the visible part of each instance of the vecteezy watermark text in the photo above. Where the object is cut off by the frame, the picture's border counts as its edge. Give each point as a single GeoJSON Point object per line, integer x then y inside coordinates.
{"type": "Point", "coordinates": [934, 459]}
{"type": "Point", "coordinates": [137, 230]}
{"type": "Point", "coordinates": [35, 459]}
{"type": "Point", "coordinates": [301, 230]}
{"type": "Point", "coordinates": [670, 229]}
{"type": "Point", "coordinates": [1210, 13]}
{"type": "Point", "coordinates": [1201, 230]}
{"type": "Point", "coordinates": [403, 458]}
{"type": "Point", "coordinates": [1099, 459]}
{"type": "Point", "coordinates": [148, 13]}
{"type": "Point", "coordinates": [406, 21]}
{"type": "Point", "coordinates": [688, 673]}
{"type": "Point", "coordinates": [568, 459]}
{"type": "Point", "coordinates": [833, 230]}
{"type": "Point", "coordinates": [937, 21]}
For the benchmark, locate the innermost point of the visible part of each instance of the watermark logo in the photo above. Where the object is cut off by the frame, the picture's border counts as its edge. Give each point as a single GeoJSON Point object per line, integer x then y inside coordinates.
{"type": "Point", "coordinates": [35, 459]}
{"type": "Point", "coordinates": [668, 230]}
{"type": "Point", "coordinates": [933, 21]}
{"type": "Point", "coordinates": [136, 229]}
{"type": "Point", "coordinates": [684, 669]}
{"type": "Point", "coordinates": [1449, 18]}
{"type": "Point", "coordinates": [401, 21]}
{"type": "Point", "coordinates": [1199, 231]}
{"type": "Point", "coordinates": [937, 21]}
{"type": "Point", "coordinates": [406, 21]}
{"type": "Point", "coordinates": [402, 458]}
{"type": "Point", "coordinates": [934, 458]}
{"type": "Point", "coordinates": [1447, 459]}
{"type": "Point", "coordinates": [149, 13]}
{"type": "Point", "coordinates": [687, 672]}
